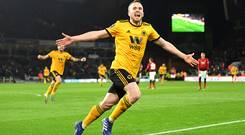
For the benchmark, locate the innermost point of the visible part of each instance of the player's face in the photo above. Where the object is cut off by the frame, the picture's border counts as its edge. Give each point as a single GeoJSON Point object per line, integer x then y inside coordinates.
{"type": "Point", "coordinates": [136, 12]}
{"type": "Point", "coordinates": [61, 48]}
{"type": "Point", "coordinates": [202, 55]}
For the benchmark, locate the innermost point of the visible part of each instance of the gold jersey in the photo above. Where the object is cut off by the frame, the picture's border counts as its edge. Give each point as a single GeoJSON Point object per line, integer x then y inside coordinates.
{"type": "Point", "coordinates": [46, 72]}
{"type": "Point", "coordinates": [58, 61]}
{"type": "Point", "coordinates": [101, 70]}
{"type": "Point", "coordinates": [130, 42]}
{"type": "Point", "coordinates": [162, 70]}
{"type": "Point", "coordinates": [234, 70]}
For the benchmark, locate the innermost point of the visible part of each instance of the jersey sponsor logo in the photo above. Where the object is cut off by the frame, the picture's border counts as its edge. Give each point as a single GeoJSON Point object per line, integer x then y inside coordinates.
{"type": "Point", "coordinates": [61, 59]}
{"type": "Point", "coordinates": [135, 40]}
{"type": "Point", "coordinates": [135, 47]}
{"type": "Point", "coordinates": [135, 43]}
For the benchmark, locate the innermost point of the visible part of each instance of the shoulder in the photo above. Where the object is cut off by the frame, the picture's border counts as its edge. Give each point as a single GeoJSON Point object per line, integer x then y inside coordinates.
{"type": "Point", "coordinates": [146, 24]}
{"type": "Point", "coordinates": [122, 21]}
{"type": "Point", "coordinates": [66, 53]}
{"type": "Point", "coordinates": [52, 52]}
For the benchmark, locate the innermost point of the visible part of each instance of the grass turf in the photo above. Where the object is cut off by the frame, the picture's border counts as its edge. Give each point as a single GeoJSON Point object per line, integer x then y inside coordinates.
{"type": "Point", "coordinates": [180, 25]}
{"type": "Point", "coordinates": [174, 105]}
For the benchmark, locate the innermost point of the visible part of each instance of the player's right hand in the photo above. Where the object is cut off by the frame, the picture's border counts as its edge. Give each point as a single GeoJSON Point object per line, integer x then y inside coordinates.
{"type": "Point", "coordinates": [65, 41]}
{"type": "Point", "coordinates": [39, 56]}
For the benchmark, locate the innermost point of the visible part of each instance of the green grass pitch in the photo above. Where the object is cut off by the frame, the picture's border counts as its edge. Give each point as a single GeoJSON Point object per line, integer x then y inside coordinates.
{"type": "Point", "coordinates": [174, 105]}
{"type": "Point", "coordinates": [180, 25]}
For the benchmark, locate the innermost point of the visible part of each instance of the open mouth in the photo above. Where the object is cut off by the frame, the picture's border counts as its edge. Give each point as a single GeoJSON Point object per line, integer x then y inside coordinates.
{"type": "Point", "coordinates": [137, 15]}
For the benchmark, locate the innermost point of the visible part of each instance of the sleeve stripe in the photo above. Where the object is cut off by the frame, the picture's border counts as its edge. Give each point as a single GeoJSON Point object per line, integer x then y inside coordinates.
{"type": "Point", "coordinates": [108, 32]}
{"type": "Point", "coordinates": [156, 39]}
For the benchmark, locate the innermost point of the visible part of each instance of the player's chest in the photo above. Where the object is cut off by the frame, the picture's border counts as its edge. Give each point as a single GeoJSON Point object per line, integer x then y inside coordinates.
{"type": "Point", "coordinates": [60, 58]}
{"type": "Point", "coordinates": [134, 35]}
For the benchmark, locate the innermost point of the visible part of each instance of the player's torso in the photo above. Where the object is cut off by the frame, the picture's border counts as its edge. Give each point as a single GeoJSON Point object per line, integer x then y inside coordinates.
{"type": "Point", "coordinates": [46, 72]}
{"type": "Point", "coordinates": [58, 62]}
{"type": "Point", "coordinates": [130, 46]}
{"type": "Point", "coordinates": [234, 70]}
{"type": "Point", "coordinates": [102, 70]}
{"type": "Point", "coordinates": [203, 63]}
{"type": "Point", "coordinates": [132, 39]}
{"type": "Point", "coordinates": [162, 70]}
{"type": "Point", "coordinates": [152, 66]}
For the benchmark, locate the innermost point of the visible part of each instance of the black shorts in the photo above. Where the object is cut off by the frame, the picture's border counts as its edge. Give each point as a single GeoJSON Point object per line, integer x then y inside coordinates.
{"type": "Point", "coordinates": [54, 74]}
{"type": "Point", "coordinates": [120, 79]}
{"type": "Point", "coordinates": [103, 76]}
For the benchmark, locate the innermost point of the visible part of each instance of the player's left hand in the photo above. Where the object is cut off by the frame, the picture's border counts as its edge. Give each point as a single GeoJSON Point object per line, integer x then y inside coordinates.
{"type": "Point", "coordinates": [190, 60]}
{"type": "Point", "coordinates": [83, 59]}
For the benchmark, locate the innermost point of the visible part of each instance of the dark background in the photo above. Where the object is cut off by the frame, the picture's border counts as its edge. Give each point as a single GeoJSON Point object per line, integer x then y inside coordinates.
{"type": "Point", "coordinates": [223, 39]}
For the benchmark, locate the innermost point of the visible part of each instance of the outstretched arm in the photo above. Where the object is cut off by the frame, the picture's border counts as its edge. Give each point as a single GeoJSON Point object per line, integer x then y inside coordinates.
{"type": "Point", "coordinates": [172, 49]}
{"type": "Point", "coordinates": [88, 36]}
{"type": "Point", "coordinates": [42, 57]}
{"type": "Point", "coordinates": [83, 59]}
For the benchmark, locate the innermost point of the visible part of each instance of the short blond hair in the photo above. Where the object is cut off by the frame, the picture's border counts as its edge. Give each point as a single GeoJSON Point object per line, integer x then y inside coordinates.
{"type": "Point", "coordinates": [134, 1]}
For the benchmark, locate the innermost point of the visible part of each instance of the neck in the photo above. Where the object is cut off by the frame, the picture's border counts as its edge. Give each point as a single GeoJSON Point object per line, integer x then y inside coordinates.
{"type": "Point", "coordinates": [136, 23]}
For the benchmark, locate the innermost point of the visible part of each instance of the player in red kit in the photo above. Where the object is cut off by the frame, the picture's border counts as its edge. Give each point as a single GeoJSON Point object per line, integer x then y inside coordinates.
{"type": "Point", "coordinates": [151, 68]}
{"type": "Point", "coordinates": [203, 67]}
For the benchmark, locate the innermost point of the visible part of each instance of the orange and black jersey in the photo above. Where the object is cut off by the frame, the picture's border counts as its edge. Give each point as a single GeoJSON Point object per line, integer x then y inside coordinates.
{"type": "Point", "coordinates": [58, 61]}
{"type": "Point", "coordinates": [130, 42]}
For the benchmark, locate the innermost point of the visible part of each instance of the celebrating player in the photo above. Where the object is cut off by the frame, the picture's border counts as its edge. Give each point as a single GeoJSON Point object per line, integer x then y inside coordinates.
{"type": "Point", "coordinates": [59, 57]}
{"type": "Point", "coordinates": [151, 68]}
{"type": "Point", "coordinates": [203, 67]}
{"type": "Point", "coordinates": [162, 72]}
{"type": "Point", "coordinates": [102, 73]}
{"type": "Point", "coordinates": [131, 37]}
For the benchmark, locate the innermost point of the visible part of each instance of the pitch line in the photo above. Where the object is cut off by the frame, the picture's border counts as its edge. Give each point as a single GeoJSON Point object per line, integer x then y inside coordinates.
{"type": "Point", "coordinates": [198, 127]}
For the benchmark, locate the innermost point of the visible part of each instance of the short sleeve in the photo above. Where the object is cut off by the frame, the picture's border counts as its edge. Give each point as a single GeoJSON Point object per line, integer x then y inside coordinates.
{"type": "Point", "coordinates": [153, 34]}
{"type": "Point", "coordinates": [113, 29]}
{"type": "Point", "coordinates": [68, 56]}
{"type": "Point", "coordinates": [51, 54]}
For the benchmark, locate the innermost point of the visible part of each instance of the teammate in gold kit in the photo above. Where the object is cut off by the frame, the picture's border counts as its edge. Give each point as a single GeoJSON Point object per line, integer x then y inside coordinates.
{"type": "Point", "coordinates": [102, 73]}
{"type": "Point", "coordinates": [234, 72]}
{"type": "Point", "coordinates": [59, 57]}
{"type": "Point", "coordinates": [162, 72]}
{"type": "Point", "coordinates": [45, 75]}
{"type": "Point", "coordinates": [131, 37]}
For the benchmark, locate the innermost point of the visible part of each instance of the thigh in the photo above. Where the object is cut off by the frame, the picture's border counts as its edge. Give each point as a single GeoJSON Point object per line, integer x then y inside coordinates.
{"type": "Point", "coordinates": [120, 79]}
{"type": "Point", "coordinates": [110, 98]}
{"type": "Point", "coordinates": [55, 76]}
{"type": "Point", "coordinates": [132, 89]}
{"type": "Point", "coordinates": [204, 74]}
{"type": "Point", "coordinates": [119, 91]}
{"type": "Point", "coordinates": [152, 75]}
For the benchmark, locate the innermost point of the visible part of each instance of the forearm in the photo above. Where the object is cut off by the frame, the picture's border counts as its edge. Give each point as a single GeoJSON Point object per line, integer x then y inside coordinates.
{"type": "Point", "coordinates": [90, 36]}
{"type": "Point", "coordinates": [42, 57]}
{"type": "Point", "coordinates": [172, 49]}
{"type": "Point", "coordinates": [77, 59]}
